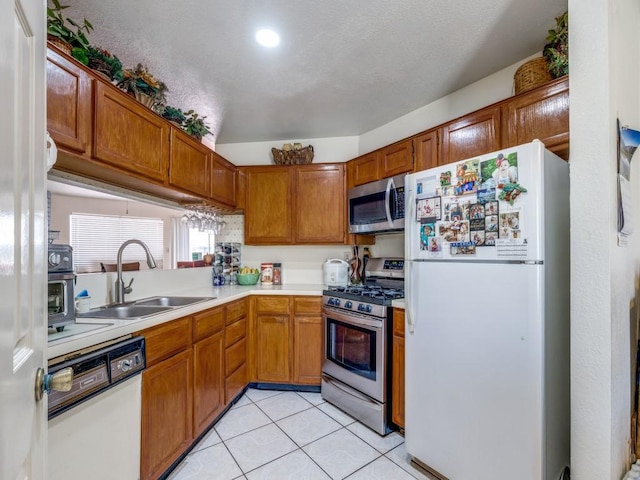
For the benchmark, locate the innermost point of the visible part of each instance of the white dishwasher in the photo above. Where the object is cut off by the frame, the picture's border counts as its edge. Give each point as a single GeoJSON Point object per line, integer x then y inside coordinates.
{"type": "Point", "coordinates": [94, 429]}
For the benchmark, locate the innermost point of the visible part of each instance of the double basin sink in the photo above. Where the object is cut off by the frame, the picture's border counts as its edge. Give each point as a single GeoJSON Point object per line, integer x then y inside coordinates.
{"type": "Point", "coordinates": [143, 308]}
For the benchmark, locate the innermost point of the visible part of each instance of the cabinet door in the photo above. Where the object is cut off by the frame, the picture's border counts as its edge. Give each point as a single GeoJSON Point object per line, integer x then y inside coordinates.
{"type": "Point", "coordinates": [223, 180]}
{"type": "Point", "coordinates": [396, 159]}
{"type": "Point", "coordinates": [472, 135]}
{"type": "Point", "coordinates": [307, 345]}
{"type": "Point", "coordinates": [128, 135]}
{"type": "Point", "coordinates": [208, 381]}
{"type": "Point", "coordinates": [542, 113]}
{"type": "Point", "coordinates": [189, 164]}
{"type": "Point", "coordinates": [68, 103]}
{"type": "Point", "coordinates": [307, 340]}
{"type": "Point", "coordinates": [397, 373]}
{"type": "Point", "coordinates": [269, 206]}
{"type": "Point", "coordinates": [425, 147]}
{"type": "Point", "coordinates": [272, 350]}
{"type": "Point", "coordinates": [364, 169]}
{"type": "Point", "coordinates": [320, 204]}
{"type": "Point", "coordinates": [397, 383]}
{"type": "Point", "coordinates": [167, 399]}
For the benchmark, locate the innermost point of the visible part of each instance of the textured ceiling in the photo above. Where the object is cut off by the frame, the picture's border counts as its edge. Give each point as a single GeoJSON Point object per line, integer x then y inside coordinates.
{"type": "Point", "coordinates": [343, 67]}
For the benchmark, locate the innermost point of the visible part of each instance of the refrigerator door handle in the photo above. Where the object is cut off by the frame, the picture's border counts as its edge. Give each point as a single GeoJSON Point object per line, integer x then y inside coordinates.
{"type": "Point", "coordinates": [387, 198]}
{"type": "Point", "coordinates": [407, 295]}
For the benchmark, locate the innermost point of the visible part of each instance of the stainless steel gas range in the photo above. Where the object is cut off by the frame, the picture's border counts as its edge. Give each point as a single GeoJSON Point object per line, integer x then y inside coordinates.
{"type": "Point", "coordinates": [356, 366]}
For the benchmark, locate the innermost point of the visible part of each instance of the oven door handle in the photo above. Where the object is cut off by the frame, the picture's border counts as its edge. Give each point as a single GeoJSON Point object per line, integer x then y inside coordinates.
{"type": "Point", "coordinates": [352, 319]}
{"type": "Point", "coordinates": [350, 392]}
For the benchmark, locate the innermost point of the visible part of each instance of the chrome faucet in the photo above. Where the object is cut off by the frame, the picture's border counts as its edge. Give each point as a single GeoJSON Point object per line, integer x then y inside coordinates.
{"type": "Point", "coordinates": [121, 290]}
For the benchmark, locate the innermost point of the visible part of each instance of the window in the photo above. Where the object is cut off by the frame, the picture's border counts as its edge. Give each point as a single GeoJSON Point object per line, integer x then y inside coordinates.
{"type": "Point", "coordinates": [97, 238]}
{"type": "Point", "coordinates": [200, 242]}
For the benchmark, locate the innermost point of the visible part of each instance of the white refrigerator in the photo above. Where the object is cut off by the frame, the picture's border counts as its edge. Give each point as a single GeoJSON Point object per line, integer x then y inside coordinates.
{"type": "Point", "coordinates": [487, 334]}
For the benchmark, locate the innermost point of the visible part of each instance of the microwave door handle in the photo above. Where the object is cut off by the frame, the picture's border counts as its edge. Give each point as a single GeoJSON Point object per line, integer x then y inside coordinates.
{"type": "Point", "coordinates": [387, 198]}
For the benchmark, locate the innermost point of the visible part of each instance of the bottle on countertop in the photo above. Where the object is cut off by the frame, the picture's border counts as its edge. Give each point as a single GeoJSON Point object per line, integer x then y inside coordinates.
{"type": "Point", "coordinates": [266, 273]}
{"type": "Point", "coordinates": [277, 274]}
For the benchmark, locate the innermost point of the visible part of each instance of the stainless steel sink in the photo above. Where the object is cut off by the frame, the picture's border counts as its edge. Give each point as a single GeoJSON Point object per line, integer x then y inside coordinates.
{"type": "Point", "coordinates": [124, 312]}
{"type": "Point", "coordinates": [143, 308]}
{"type": "Point", "coordinates": [172, 301]}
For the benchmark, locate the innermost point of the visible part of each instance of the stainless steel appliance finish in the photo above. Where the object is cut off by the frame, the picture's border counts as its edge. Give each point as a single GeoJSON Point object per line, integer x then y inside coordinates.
{"type": "Point", "coordinates": [60, 298]}
{"type": "Point", "coordinates": [377, 207]}
{"type": "Point", "coordinates": [96, 370]}
{"type": "Point", "coordinates": [356, 365]}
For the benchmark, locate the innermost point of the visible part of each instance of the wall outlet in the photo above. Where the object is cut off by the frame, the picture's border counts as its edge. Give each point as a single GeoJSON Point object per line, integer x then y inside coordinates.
{"type": "Point", "coordinates": [346, 256]}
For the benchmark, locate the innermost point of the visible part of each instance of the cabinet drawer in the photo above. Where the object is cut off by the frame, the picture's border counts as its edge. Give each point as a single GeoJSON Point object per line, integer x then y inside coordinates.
{"type": "Point", "coordinates": [235, 332]}
{"type": "Point", "coordinates": [312, 305]}
{"type": "Point", "coordinates": [235, 383]}
{"type": "Point", "coordinates": [167, 339]}
{"type": "Point", "coordinates": [398, 322]}
{"type": "Point", "coordinates": [235, 356]}
{"type": "Point", "coordinates": [274, 304]}
{"type": "Point", "coordinates": [236, 310]}
{"type": "Point", "coordinates": [207, 323]}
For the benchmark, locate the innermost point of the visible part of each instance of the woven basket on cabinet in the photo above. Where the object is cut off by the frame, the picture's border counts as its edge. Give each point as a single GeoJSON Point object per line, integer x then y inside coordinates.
{"type": "Point", "coordinates": [531, 74]}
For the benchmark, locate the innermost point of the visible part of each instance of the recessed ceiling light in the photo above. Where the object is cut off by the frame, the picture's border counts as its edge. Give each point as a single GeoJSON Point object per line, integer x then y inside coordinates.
{"type": "Point", "coordinates": [267, 38]}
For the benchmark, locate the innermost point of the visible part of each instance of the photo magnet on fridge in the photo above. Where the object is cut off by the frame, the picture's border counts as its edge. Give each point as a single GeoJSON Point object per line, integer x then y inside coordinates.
{"type": "Point", "coordinates": [478, 238]}
{"type": "Point", "coordinates": [427, 231]}
{"type": "Point", "coordinates": [428, 210]}
{"type": "Point", "coordinates": [463, 248]}
{"type": "Point", "coordinates": [467, 177]}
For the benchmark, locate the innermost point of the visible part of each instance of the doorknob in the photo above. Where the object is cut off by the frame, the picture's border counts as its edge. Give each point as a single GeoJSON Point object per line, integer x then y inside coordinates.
{"type": "Point", "coordinates": [61, 381]}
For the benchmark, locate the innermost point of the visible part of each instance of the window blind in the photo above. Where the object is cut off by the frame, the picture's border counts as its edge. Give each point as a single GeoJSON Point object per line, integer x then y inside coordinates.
{"type": "Point", "coordinates": [97, 238]}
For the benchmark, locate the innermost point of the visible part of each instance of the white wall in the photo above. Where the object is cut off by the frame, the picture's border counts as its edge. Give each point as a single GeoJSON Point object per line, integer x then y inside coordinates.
{"type": "Point", "coordinates": [604, 85]}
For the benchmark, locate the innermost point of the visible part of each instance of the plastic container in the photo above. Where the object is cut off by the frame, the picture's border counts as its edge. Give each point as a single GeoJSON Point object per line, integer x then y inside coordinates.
{"type": "Point", "coordinates": [277, 274]}
{"type": "Point", "coordinates": [266, 273]}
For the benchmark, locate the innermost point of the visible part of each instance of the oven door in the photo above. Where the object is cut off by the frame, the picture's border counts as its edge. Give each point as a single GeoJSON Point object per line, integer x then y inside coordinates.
{"type": "Point", "coordinates": [355, 351]}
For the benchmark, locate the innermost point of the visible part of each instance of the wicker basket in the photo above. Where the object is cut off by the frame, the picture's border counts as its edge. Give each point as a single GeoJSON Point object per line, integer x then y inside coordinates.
{"type": "Point", "coordinates": [301, 156]}
{"type": "Point", "coordinates": [60, 44]}
{"type": "Point", "coordinates": [531, 74]}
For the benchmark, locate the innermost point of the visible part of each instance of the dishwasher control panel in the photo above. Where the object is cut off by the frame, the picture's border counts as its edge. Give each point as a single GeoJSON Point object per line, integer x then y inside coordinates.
{"type": "Point", "coordinates": [97, 370]}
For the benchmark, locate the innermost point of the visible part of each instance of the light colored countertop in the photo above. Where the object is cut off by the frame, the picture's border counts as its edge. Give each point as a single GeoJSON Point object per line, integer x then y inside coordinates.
{"type": "Point", "coordinates": [398, 304]}
{"type": "Point", "coordinates": [92, 331]}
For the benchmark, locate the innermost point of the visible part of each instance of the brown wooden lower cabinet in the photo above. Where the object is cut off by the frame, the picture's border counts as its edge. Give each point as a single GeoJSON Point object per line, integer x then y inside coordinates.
{"type": "Point", "coordinates": [397, 383]}
{"type": "Point", "coordinates": [307, 340]}
{"type": "Point", "coordinates": [208, 381]}
{"type": "Point", "coordinates": [272, 351]}
{"type": "Point", "coordinates": [167, 427]}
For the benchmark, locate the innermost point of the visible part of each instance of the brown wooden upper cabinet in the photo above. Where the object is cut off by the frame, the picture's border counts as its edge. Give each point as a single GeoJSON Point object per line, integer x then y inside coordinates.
{"type": "Point", "coordinates": [294, 204]}
{"type": "Point", "coordinates": [69, 96]}
{"type": "Point", "coordinates": [542, 113]}
{"type": "Point", "coordinates": [396, 158]}
{"type": "Point", "coordinates": [386, 162]}
{"type": "Point", "coordinates": [190, 167]}
{"type": "Point", "coordinates": [425, 147]}
{"type": "Point", "coordinates": [268, 205]}
{"type": "Point", "coordinates": [320, 204]}
{"type": "Point", "coordinates": [223, 180]}
{"type": "Point", "coordinates": [471, 135]}
{"type": "Point", "coordinates": [130, 136]}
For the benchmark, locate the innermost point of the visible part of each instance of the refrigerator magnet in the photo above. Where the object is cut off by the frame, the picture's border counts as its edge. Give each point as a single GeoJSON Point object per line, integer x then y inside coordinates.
{"type": "Point", "coordinates": [476, 224]}
{"type": "Point", "coordinates": [491, 208]}
{"type": "Point", "coordinates": [510, 192]}
{"type": "Point", "coordinates": [478, 238]}
{"type": "Point", "coordinates": [490, 239]}
{"type": "Point", "coordinates": [445, 179]}
{"type": "Point", "coordinates": [486, 194]}
{"type": "Point", "coordinates": [428, 210]}
{"type": "Point", "coordinates": [491, 223]}
{"type": "Point", "coordinates": [462, 248]}
{"type": "Point", "coordinates": [427, 231]}
{"type": "Point", "coordinates": [476, 210]}
{"type": "Point", "coordinates": [467, 177]}
{"type": "Point", "coordinates": [499, 171]}
{"type": "Point", "coordinates": [435, 247]}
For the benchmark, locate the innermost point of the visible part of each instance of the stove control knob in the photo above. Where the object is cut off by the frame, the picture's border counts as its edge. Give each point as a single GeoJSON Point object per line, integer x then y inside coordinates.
{"type": "Point", "coordinates": [360, 307]}
{"type": "Point", "coordinates": [125, 365]}
{"type": "Point", "coordinates": [348, 304]}
{"type": "Point", "coordinates": [337, 302]}
{"type": "Point", "coordinates": [368, 310]}
{"type": "Point", "coordinates": [331, 301]}
{"type": "Point", "coordinates": [54, 259]}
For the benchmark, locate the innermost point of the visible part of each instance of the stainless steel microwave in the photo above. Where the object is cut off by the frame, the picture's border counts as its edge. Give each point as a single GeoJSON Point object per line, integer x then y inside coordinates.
{"type": "Point", "coordinates": [377, 207]}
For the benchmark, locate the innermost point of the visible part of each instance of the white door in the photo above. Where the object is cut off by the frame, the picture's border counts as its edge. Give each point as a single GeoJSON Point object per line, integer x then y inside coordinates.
{"type": "Point", "coordinates": [23, 421]}
{"type": "Point", "coordinates": [473, 370]}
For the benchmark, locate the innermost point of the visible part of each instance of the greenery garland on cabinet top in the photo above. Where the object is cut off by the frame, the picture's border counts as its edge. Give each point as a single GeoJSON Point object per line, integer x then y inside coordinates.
{"type": "Point", "coordinates": [75, 35]}
{"type": "Point", "coordinates": [556, 51]}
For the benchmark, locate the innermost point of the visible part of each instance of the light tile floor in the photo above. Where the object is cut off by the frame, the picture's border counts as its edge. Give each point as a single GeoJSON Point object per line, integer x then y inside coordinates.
{"type": "Point", "coordinates": [275, 435]}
